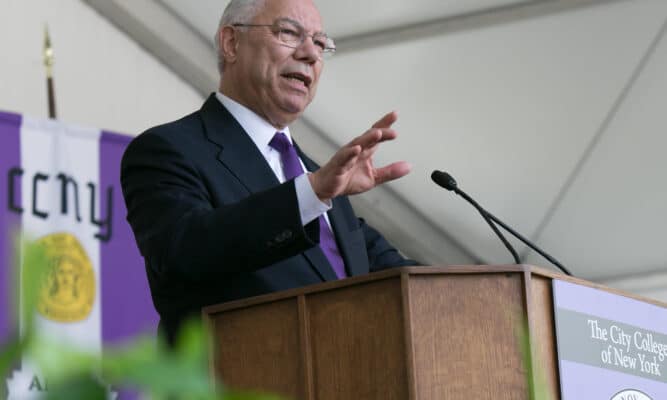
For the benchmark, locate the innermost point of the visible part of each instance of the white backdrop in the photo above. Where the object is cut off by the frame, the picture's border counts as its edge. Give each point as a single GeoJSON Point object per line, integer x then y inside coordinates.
{"type": "Point", "coordinates": [103, 78]}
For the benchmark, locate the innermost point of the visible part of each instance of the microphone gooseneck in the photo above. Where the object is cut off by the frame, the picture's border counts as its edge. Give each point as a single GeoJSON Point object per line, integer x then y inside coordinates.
{"type": "Point", "coordinates": [443, 179]}
{"type": "Point", "coordinates": [448, 182]}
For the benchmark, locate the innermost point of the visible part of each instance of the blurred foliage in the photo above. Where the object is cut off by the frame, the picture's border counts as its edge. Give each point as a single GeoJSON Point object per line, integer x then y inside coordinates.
{"type": "Point", "coordinates": [143, 365]}
{"type": "Point", "coordinates": [535, 378]}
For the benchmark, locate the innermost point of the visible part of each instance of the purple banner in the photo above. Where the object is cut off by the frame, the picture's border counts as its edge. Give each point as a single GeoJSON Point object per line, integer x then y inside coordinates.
{"type": "Point", "coordinates": [10, 157]}
{"type": "Point", "coordinates": [127, 308]}
{"type": "Point", "coordinates": [126, 305]}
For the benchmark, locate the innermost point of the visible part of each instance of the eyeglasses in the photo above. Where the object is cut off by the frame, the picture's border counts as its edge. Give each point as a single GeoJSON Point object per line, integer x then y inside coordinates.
{"type": "Point", "coordinates": [292, 34]}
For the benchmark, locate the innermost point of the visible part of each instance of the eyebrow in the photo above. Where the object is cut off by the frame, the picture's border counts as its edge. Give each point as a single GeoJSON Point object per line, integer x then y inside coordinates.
{"type": "Point", "coordinates": [297, 23]}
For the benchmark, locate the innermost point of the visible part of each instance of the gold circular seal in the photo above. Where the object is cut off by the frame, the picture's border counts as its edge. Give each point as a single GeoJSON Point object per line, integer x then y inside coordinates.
{"type": "Point", "coordinates": [68, 293]}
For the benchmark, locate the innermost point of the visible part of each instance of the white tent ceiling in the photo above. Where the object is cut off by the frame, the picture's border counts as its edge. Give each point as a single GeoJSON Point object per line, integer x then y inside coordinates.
{"type": "Point", "coordinates": [550, 113]}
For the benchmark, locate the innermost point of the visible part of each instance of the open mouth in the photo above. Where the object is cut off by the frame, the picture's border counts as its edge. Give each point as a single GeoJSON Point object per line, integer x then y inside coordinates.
{"type": "Point", "coordinates": [298, 77]}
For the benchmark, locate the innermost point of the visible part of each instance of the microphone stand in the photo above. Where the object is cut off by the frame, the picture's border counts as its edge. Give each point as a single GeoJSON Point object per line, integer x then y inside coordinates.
{"type": "Point", "coordinates": [495, 219]}
{"type": "Point", "coordinates": [488, 218]}
{"type": "Point", "coordinates": [446, 181]}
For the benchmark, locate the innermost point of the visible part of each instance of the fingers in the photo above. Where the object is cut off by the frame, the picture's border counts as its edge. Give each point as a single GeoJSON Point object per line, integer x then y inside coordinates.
{"type": "Point", "coordinates": [329, 181]}
{"type": "Point", "coordinates": [386, 121]}
{"type": "Point", "coordinates": [392, 171]}
{"type": "Point", "coordinates": [345, 158]}
{"type": "Point", "coordinates": [380, 132]}
{"type": "Point", "coordinates": [374, 136]}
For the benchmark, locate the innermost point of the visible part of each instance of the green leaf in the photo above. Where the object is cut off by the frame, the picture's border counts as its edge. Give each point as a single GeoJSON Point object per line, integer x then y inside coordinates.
{"type": "Point", "coordinates": [146, 366]}
{"type": "Point", "coordinates": [60, 361]}
{"type": "Point", "coordinates": [535, 376]}
{"type": "Point", "coordinates": [192, 342]}
{"type": "Point", "coordinates": [33, 273]}
{"type": "Point", "coordinates": [77, 387]}
{"type": "Point", "coordinates": [10, 353]}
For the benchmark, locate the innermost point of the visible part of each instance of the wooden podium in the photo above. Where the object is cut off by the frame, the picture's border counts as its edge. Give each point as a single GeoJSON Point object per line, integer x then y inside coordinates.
{"type": "Point", "coordinates": [407, 333]}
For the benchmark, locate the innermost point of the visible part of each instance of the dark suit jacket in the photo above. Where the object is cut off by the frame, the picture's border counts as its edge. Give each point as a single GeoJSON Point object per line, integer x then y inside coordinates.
{"type": "Point", "coordinates": [214, 224]}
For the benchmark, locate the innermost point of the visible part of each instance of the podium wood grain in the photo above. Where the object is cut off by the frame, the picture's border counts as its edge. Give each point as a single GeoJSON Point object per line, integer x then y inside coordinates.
{"type": "Point", "coordinates": [409, 333]}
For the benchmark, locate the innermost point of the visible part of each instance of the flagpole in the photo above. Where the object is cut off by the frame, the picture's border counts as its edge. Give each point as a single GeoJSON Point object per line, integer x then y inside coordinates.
{"type": "Point", "coordinates": [48, 63]}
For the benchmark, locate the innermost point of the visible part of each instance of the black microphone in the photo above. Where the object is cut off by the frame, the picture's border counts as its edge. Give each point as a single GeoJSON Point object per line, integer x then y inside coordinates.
{"type": "Point", "coordinates": [446, 181]}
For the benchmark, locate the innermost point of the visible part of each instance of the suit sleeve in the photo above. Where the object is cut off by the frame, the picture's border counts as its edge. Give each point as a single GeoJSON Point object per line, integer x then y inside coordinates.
{"type": "Point", "coordinates": [182, 236]}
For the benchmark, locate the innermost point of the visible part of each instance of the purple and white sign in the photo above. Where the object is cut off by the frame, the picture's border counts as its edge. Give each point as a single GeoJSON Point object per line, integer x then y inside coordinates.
{"type": "Point", "coordinates": [60, 185]}
{"type": "Point", "coordinates": [610, 347]}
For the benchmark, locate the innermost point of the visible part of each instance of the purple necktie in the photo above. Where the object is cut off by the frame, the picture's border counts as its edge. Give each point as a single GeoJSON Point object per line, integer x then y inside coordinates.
{"type": "Point", "coordinates": [292, 168]}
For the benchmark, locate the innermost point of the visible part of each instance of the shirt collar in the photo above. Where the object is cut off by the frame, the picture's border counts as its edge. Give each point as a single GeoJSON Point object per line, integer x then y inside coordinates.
{"type": "Point", "coordinates": [259, 130]}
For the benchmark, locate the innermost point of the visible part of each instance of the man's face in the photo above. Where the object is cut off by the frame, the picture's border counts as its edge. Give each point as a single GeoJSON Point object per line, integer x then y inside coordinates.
{"type": "Point", "coordinates": [276, 81]}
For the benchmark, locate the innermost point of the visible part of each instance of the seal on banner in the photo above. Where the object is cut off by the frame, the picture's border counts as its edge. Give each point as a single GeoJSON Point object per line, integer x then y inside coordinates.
{"type": "Point", "coordinates": [68, 293]}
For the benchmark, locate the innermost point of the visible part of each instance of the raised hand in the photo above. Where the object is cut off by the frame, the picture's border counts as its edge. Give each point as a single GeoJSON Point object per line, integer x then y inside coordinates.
{"type": "Point", "coordinates": [351, 170]}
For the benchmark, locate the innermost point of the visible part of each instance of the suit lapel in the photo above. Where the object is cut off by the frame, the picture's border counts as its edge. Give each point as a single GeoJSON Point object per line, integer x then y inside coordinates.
{"type": "Point", "coordinates": [355, 261]}
{"type": "Point", "coordinates": [237, 153]}
{"type": "Point", "coordinates": [243, 159]}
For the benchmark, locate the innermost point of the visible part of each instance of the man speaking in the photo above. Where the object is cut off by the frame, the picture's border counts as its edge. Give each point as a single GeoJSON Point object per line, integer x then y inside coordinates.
{"type": "Point", "coordinates": [224, 205]}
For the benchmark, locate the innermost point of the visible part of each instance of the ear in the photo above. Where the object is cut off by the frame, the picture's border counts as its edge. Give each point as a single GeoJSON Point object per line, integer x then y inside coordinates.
{"type": "Point", "coordinates": [229, 43]}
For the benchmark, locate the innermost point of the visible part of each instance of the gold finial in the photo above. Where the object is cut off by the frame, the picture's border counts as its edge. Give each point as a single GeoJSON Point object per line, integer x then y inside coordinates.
{"type": "Point", "coordinates": [48, 52]}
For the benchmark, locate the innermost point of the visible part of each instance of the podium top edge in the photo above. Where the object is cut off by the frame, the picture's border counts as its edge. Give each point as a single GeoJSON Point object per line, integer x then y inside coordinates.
{"type": "Point", "coordinates": [389, 274]}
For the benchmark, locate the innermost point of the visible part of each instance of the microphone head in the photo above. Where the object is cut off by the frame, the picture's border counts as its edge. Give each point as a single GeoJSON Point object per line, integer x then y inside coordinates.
{"type": "Point", "coordinates": [444, 180]}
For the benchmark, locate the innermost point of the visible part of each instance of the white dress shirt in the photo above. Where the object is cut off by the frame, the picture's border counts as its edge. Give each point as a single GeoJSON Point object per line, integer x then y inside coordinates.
{"type": "Point", "coordinates": [261, 133]}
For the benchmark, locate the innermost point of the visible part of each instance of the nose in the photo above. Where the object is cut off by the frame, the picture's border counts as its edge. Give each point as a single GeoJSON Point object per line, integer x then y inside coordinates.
{"type": "Point", "coordinates": [308, 51]}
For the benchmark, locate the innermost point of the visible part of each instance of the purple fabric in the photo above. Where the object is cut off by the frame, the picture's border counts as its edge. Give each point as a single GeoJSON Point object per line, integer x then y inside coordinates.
{"type": "Point", "coordinates": [292, 168]}
{"type": "Point", "coordinates": [127, 308]}
{"type": "Point", "coordinates": [330, 249]}
{"type": "Point", "coordinates": [10, 156]}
